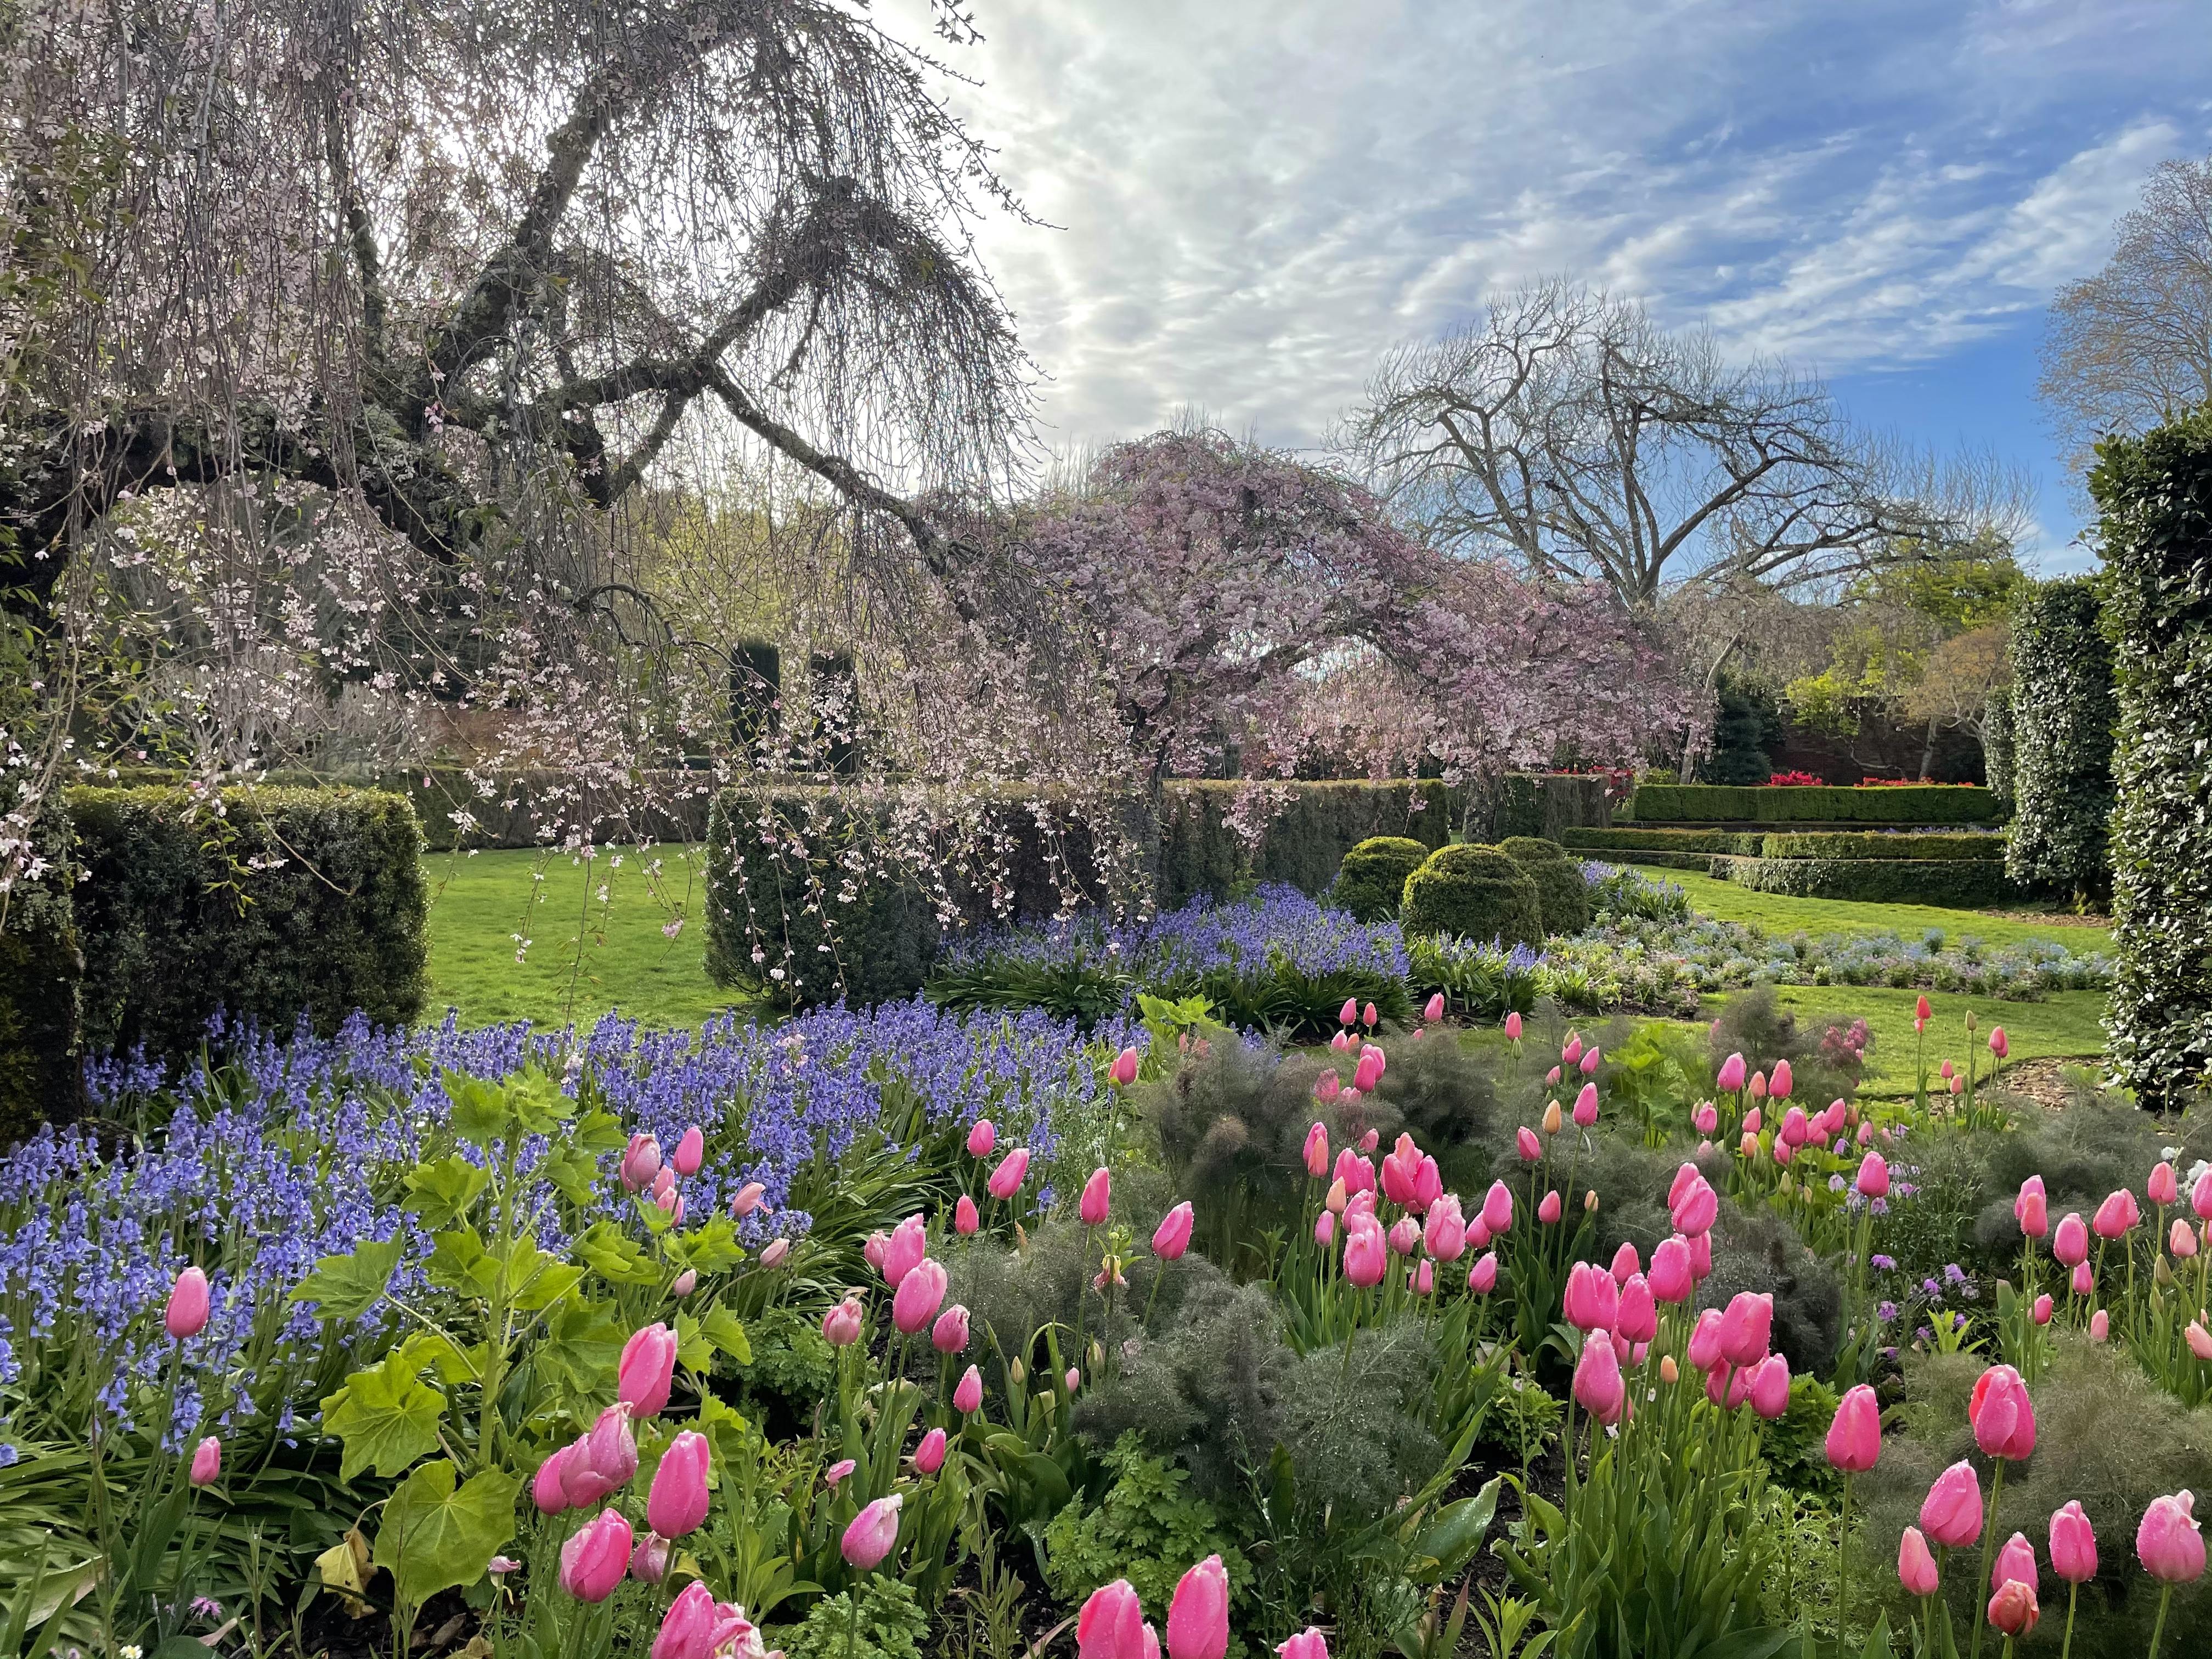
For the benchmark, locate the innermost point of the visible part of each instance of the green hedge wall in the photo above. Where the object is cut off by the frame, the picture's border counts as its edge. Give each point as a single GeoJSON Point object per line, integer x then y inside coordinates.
{"type": "Point", "coordinates": [1713, 803]}
{"type": "Point", "coordinates": [41, 969]}
{"type": "Point", "coordinates": [1641, 838]}
{"type": "Point", "coordinates": [1540, 804]}
{"type": "Point", "coordinates": [2062, 717]}
{"type": "Point", "coordinates": [1843, 844]}
{"type": "Point", "coordinates": [1961, 883]}
{"type": "Point", "coordinates": [282, 903]}
{"type": "Point", "coordinates": [2154, 494]}
{"type": "Point", "coordinates": [1304, 844]}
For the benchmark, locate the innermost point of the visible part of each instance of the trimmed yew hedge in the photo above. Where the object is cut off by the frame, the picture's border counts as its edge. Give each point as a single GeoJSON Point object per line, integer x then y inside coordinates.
{"type": "Point", "coordinates": [1961, 883]}
{"type": "Point", "coordinates": [1372, 881]}
{"type": "Point", "coordinates": [1718, 803]}
{"type": "Point", "coordinates": [1789, 844]}
{"type": "Point", "coordinates": [2154, 494]}
{"type": "Point", "coordinates": [2063, 719]}
{"type": "Point", "coordinates": [1200, 851]}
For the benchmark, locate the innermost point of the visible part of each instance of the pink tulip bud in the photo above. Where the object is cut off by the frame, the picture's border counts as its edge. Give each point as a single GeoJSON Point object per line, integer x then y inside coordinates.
{"type": "Point", "coordinates": [1670, 1278]}
{"type": "Point", "coordinates": [965, 1219]}
{"type": "Point", "coordinates": [1309, 1643]}
{"type": "Point", "coordinates": [773, 1256]}
{"type": "Point", "coordinates": [1783, 1152]}
{"type": "Point", "coordinates": [640, 1163]}
{"type": "Point", "coordinates": [919, 1294]}
{"type": "Point", "coordinates": [840, 1326]}
{"type": "Point", "coordinates": [2200, 1196]}
{"type": "Point", "coordinates": [2164, 1185]}
{"type": "Point", "coordinates": [1498, 1209]}
{"type": "Point", "coordinates": [1112, 1625]}
{"type": "Point", "coordinates": [2016, 1562]}
{"type": "Point", "coordinates": [1513, 1027]}
{"type": "Point", "coordinates": [1626, 1262]}
{"type": "Point", "coordinates": [1770, 1386]}
{"type": "Point", "coordinates": [2071, 1243]}
{"type": "Point", "coordinates": [1172, 1237]}
{"type": "Point", "coordinates": [1731, 1076]}
{"type": "Point", "coordinates": [596, 1559]}
{"type": "Point", "coordinates": [1951, 1514]}
{"type": "Point", "coordinates": [1747, 1328]}
{"type": "Point", "coordinates": [1072, 1379]}
{"type": "Point", "coordinates": [207, 1461]}
{"type": "Point", "coordinates": [1796, 1128]}
{"type": "Point", "coordinates": [1006, 1179]}
{"type": "Point", "coordinates": [2073, 1545]}
{"type": "Point", "coordinates": [1349, 1014]}
{"type": "Point", "coordinates": [602, 1461]}
{"type": "Point", "coordinates": [1591, 1059]}
{"type": "Point", "coordinates": [1368, 1017]}
{"type": "Point", "coordinates": [747, 1200]}
{"type": "Point", "coordinates": [686, 1282]}
{"type": "Point", "coordinates": [1699, 1207]}
{"type": "Point", "coordinates": [2199, 1340]}
{"type": "Point", "coordinates": [2168, 1543]}
{"type": "Point", "coordinates": [1325, 1228]}
{"type": "Point", "coordinates": [1592, 1302]}
{"type": "Point", "coordinates": [1547, 1211]}
{"type": "Point", "coordinates": [691, 1151]}
{"type": "Point", "coordinates": [903, 1251]}
{"type": "Point", "coordinates": [983, 1138]}
{"type": "Point", "coordinates": [1317, 1149]}
{"type": "Point", "coordinates": [968, 1396]}
{"type": "Point", "coordinates": [1573, 1051]}
{"type": "Point", "coordinates": [647, 1370]}
{"type": "Point", "coordinates": [873, 1534]}
{"type": "Point", "coordinates": [2012, 1611]}
{"type": "Point", "coordinates": [1874, 1176]}
{"type": "Point", "coordinates": [1531, 1148]}
{"type": "Point", "coordinates": [1958, 1085]}
{"type": "Point", "coordinates": [1340, 1042]}
{"type": "Point", "coordinates": [1097, 1199]}
{"type": "Point", "coordinates": [2100, 1325]}
{"type": "Point", "coordinates": [1915, 1563]}
{"type": "Point", "coordinates": [648, 1562]}
{"type": "Point", "coordinates": [2181, 1238]}
{"type": "Point", "coordinates": [1366, 1257]}
{"type": "Point", "coordinates": [2117, 1216]}
{"type": "Point", "coordinates": [1425, 1277]}
{"type": "Point", "coordinates": [1482, 1277]}
{"type": "Point", "coordinates": [1855, 1436]}
{"type": "Point", "coordinates": [1701, 1257]}
{"type": "Point", "coordinates": [1948, 1071]}
{"type": "Point", "coordinates": [1638, 1319]}
{"type": "Point", "coordinates": [837, 1471]}
{"type": "Point", "coordinates": [1598, 1387]}
{"type": "Point", "coordinates": [1443, 1234]}
{"type": "Point", "coordinates": [688, 1629]}
{"type": "Point", "coordinates": [1998, 1046]}
{"type": "Point", "coordinates": [1782, 1083]}
{"type": "Point", "coordinates": [677, 1504]}
{"type": "Point", "coordinates": [1123, 1071]}
{"type": "Point", "coordinates": [1753, 1123]}
{"type": "Point", "coordinates": [1586, 1106]}
{"type": "Point", "coordinates": [2084, 1281]}
{"type": "Point", "coordinates": [2029, 1210]}
{"type": "Point", "coordinates": [1921, 1010]}
{"type": "Point", "coordinates": [950, 1333]}
{"type": "Point", "coordinates": [1435, 1010]}
{"type": "Point", "coordinates": [1198, 1617]}
{"type": "Point", "coordinates": [1706, 1117]}
{"type": "Point", "coordinates": [1368, 1073]}
{"type": "Point", "coordinates": [545, 1491]}
{"type": "Point", "coordinates": [2040, 1311]}
{"type": "Point", "coordinates": [1551, 1078]}
{"type": "Point", "coordinates": [186, 1314]}
{"type": "Point", "coordinates": [1428, 1184]}
{"type": "Point", "coordinates": [929, 1455]}
{"type": "Point", "coordinates": [2003, 1416]}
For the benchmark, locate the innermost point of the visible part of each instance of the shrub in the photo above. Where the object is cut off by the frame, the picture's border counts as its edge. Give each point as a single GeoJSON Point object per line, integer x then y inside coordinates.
{"type": "Point", "coordinates": [887, 1622]}
{"type": "Point", "coordinates": [41, 973]}
{"type": "Point", "coordinates": [274, 905]}
{"type": "Point", "coordinates": [1305, 830]}
{"type": "Point", "coordinates": [1652, 838]}
{"type": "Point", "coordinates": [2062, 715]}
{"type": "Point", "coordinates": [1147, 1529]}
{"type": "Point", "coordinates": [2155, 496]}
{"type": "Point", "coordinates": [1962, 884]}
{"type": "Point", "coordinates": [1997, 746]}
{"type": "Point", "coordinates": [1700, 803]}
{"type": "Point", "coordinates": [1562, 895]}
{"type": "Point", "coordinates": [1473, 892]}
{"type": "Point", "coordinates": [1372, 879]}
{"type": "Point", "coordinates": [1845, 844]}
{"type": "Point", "coordinates": [1621, 895]}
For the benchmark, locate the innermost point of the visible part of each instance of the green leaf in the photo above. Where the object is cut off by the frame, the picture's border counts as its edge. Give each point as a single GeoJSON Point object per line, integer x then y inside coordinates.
{"type": "Point", "coordinates": [596, 1133]}
{"type": "Point", "coordinates": [711, 1247]}
{"type": "Point", "coordinates": [480, 1115]}
{"type": "Point", "coordinates": [539, 1105]}
{"type": "Point", "coordinates": [537, 1279]}
{"type": "Point", "coordinates": [436, 1537]}
{"type": "Point", "coordinates": [434, 1351]}
{"type": "Point", "coordinates": [612, 1254]}
{"type": "Point", "coordinates": [387, 1417]}
{"type": "Point", "coordinates": [581, 1346]}
{"type": "Point", "coordinates": [439, 1192]}
{"type": "Point", "coordinates": [1453, 1534]}
{"type": "Point", "coordinates": [348, 1286]}
{"type": "Point", "coordinates": [726, 1332]}
{"type": "Point", "coordinates": [459, 1262]}
{"type": "Point", "coordinates": [574, 1174]}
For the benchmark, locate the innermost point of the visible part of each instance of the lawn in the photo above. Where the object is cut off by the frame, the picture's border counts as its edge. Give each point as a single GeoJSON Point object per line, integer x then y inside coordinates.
{"type": "Point", "coordinates": [1776, 913]}
{"type": "Point", "coordinates": [2065, 1024]}
{"type": "Point", "coordinates": [596, 933]}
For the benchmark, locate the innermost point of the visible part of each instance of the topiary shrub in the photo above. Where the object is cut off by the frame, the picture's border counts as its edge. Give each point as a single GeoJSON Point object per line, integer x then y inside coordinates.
{"type": "Point", "coordinates": [1372, 880]}
{"type": "Point", "coordinates": [2062, 717]}
{"type": "Point", "coordinates": [269, 904]}
{"type": "Point", "coordinates": [1562, 895]}
{"type": "Point", "coordinates": [1473, 892]}
{"type": "Point", "coordinates": [2155, 496]}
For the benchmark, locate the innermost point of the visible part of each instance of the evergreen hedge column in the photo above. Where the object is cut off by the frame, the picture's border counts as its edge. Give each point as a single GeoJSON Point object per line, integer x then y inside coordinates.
{"type": "Point", "coordinates": [2155, 494]}
{"type": "Point", "coordinates": [2062, 713]}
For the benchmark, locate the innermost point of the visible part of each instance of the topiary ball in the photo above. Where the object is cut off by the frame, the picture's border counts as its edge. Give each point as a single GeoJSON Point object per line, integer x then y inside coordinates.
{"type": "Point", "coordinates": [1473, 892]}
{"type": "Point", "coordinates": [1372, 878]}
{"type": "Point", "coordinates": [1561, 892]}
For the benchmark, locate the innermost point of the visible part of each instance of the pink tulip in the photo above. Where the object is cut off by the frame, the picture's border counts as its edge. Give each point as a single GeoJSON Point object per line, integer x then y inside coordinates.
{"type": "Point", "coordinates": [1369, 1017]}
{"type": "Point", "coordinates": [1573, 1051]}
{"type": "Point", "coordinates": [2168, 1543]}
{"type": "Point", "coordinates": [840, 1326]}
{"type": "Point", "coordinates": [1349, 1014]}
{"type": "Point", "coordinates": [545, 1491]}
{"type": "Point", "coordinates": [1591, 1059]}
{"type": "Point", "coordinates": [1706, 1117]}
{"type": "Point", "coordinates": [1592, 1299]}
{"type": "Point", "coordinates": [1172, 1237]}
{"type": "Point", "coordinates": [1327, 1086]}
{"type": "Point", "coordinates": [1325, 1228]}
{"type": "Point", "coordinates": [602, 1460]}
{"type": "Point", "coordinates": [640, 1163]}
{"type": "Point", "coordinates": [678, 1501]}
{"type": "Point", "coordinates": [2040, 1309]}
{"type": "Point", "coordinates": [1638, 1317]}
{"type": "Point", "coordinates": [1949, 1072]}
{"type": "Point", "coordinates": [1670, 1270]}
{"type": "Point", "coordinates": [1435, 1010]}
{"type": "Point", "coordinates": [2003, 1416]}
{"type": "Point", "coordinates": [1951, 1514]}
{"type": "Point", "coordinates": [1354, 1171]}
{"type": "Point", "coordinates": [1957, 1084]}
{"type": "Point", "coordinates": [1706, 1340]}
{"type": "Point", "coordinates": [1198, 1618]}
{"type": "Point", "coordinates": [596, 1559]}
{"type": "Point", "coordinates": [929, 1455]}
{"type": "Point", "coordinates": [1551, 1078]}
{"type": "Point", "coordinates": [2084, 1281]}
{"type": "Point", "coordinates": [2100, 1325]}
{"type": "Point", "coordinates": [837, 1471]}
{"type": "Point", "coordinates": [2029, 1209]}
{"type": "Point", "coordinates": [968, 1396]}
{"type": "Point", "coordinates": [2164, 1185]}
{"type": "Point", "coordinates": [207, 1461]}
{"type": "Point", "coordinates": [747, 1200]}
{"type": "Point", "coordinates": [1626, 1262]}
{"type": "Point", "coordinates": [1547, 1211]}
{"type": "Point", "coordinates": [1586, 1106]}
{"type": "Point", "coordinates": [2012, 1610]}
{"type": "Point", "coordinates": [2200, 1196]}
{"type": "Point", "coordinates": [1309, 1643]}
{"type": "Point", "coordinates": [1111, 1625]}
{"type": "Point", "coordinates": [2181, 1238]}
{"type": "Point", "coordinates": [186, 1312]}
{"type": "Point", "coordinates": [1425, 1277]}
{"type": "Point", "coordinates": [983, 1138]}
{"type": "Point", "coordinates": [1482, 1277]}
{"type": "Point", "coordinates": [1513, 1027]}
{"type": "Point", "coordinates": [1531, 1148]}
{"type": "Point", "coordinates": [1783, 1152]}
{"type": "Point", "coordinates": [919, 1294]}
{"type": "Point", "coordinates": [649, 1561]}
{"type": "Point", "coordinates": [1097, 1199]}
{"type": "Point", "coordinates": [647, 1370]}
{"type": "Point", "coordinates": [2070, 1243]}
{"type": "Point", "coordinates": [1747, 1328]}
{"type": "Point", "coordinates": [1921, 1010]}
{"type": "Point", "coordinates": [1316, 1151]}
{"type": "Point", "coordinates": [1428, 1184]}
{"type": "Point", "coordinates": [1698, 1207]}
{"type": "Point", "coordinates": [1598, 1387]}
{"type": "Point", "coordinates": [1998, 1046]}
{"type": "Point", "coordinates": [1123, 1072]}
{"type": "Point", "coordinates": [2199, 1340]}
{"type": "Point", "coordinates": [1400, 1166]}
{"type": "Point", "coordinates": [1701, 1257]}
{"type": "Point", "coordinates": [873, 1534]}
{"type": "Point", "coordinates": [1403, 1236]}
{"type": "Point", "coordinates": [1365, 1257]}
{"type": "Point", "coordinates": [1915, 1565]}
{"type": "Point", "coordinates": [1368, 1073]}
{"type": "Point", "coordinates": [685, 1283]}
{"type": "Point", "coordinates": [2016, 1562]}
{"type": "Point", "coordinates": [1874, 1176]}
{"type": "Point", "coordinates": [965, 1219]}
{"type": "Point", "coordinates": [1006, 1179]}
{"type": "Point", "coordinates": [1796, 1128]}
{"type": "Point", "coordinates": [1731, 1076]}
{"type": "Point", "coordinates": [1854, 1437]}
{"type": "Point", "coordinates": [1754, 1122]}
{"type": "Point", "coordinates": [1443, 1234]}
{"type": "Point", "coordinates": [691, 1627]}
{"type": "Point", "coordinates": [1782, 1083]}
{"type": "Point", "coordinates": [691, 1151]}
{"type": "Point", "coordinates": [950, 1333]}
{"type": "Point", "coordinates": [2117, 1215]}
{"type": "Point", "coordinates": [909, 1243]}
{"type": "Point", "coordinates": [1360, 1204]}
{"type": "Point", "coordinates": [2073, 1545]}
{"type": "Point", "coordinates": [1498, 1208]}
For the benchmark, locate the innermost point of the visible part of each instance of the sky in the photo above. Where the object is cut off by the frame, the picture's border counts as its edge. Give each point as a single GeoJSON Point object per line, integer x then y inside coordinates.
{"type": "Point", "coordinates": [1240, 204]}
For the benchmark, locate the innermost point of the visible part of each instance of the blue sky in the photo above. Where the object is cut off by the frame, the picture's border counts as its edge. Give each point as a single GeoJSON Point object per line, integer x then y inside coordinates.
{"type": "Point", "coordinates": [1247, 200]}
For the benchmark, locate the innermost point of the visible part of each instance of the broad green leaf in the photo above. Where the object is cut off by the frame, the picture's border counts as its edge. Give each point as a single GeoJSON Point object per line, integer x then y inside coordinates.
{"type": "Point", "coordinates": [597, 1132]}
{"type": "Point", "coordinates": [387, 1417]}
{"type": "Point", "coordinates": [348, 1286]}
{"type": "Point", "coordinates": [581, 1346]}
{"type": "Point", "coordinates": [1453, 1534]}
{"type": "Point", "coordinates": [437, 1536]}
{"type": "Point", "coordinates": [480, 1115]}
{"type": "Point", "coordinates": [712, 1247]}
{"type": "Point", "coordinates": [726, 1332]}
{"type": "Point", "coordinates": [459, 1262]}
{"type": "Point", "coordinates": [538, 1279]}
{"type": "Point", "coordinates": [439, 1192]}
{"type": "Point", "coordinates": [434, 1351]}
{"type": "Point", "coordinates": [537, 1103]}
{"type": "Point", "coordinates": [615, 1256]}
{"type": "Point", "coordinates": [574, 1174]}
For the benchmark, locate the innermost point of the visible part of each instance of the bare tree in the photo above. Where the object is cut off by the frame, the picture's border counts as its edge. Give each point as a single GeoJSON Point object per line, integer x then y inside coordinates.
{"type": "Point", "coordinates": [1566, 428]}
{"type": "Point", "coordinates": [2132, 345]}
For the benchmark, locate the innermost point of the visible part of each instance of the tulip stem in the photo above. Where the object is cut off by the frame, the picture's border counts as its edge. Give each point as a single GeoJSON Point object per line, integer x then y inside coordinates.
{"type": "Point", "coordinates": [1843, 1578]}
{"type": "Point", "coordinates": [2066, 1648]}
{"type": "Point", "coordinates": [1988, 1554]}
{"type": "Point", "coordinates": [2157, 1630]}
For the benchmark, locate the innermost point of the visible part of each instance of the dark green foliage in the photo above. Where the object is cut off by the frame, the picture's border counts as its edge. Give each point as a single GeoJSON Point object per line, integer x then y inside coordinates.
{"type": "Point", "coordinates": [1795, 1444]}
{"type": "Point", "coordinates": [1747, 728]}
{"type": "Point", "coordinates": [2155, 496]}
{"type": "Point", "coordinates": [1640, 838]}
{"type": "Point", "coordinates": [288, 903]}
{"type": "Point", "coordinates": [1754, 1024]}
{"type": "Point", "coordinates": [888, 1624]}
{"type": "Point", "coordinates": [1961, 883]}
{"type": "Point", "coordinates": [1473, 892]}
{"type": "Point", "coordinates": [1372, 879]}
{"type": "Point", "coordinates": [1303, 843]}
{"type": "Point", "coordinates": [2062, 717]}
{"type": "Point", "coordinates": [1845, 844]}
{"type": "Point", "coordinates": [1440, 1090]}
{"type": "Point", "coordinates": [1756, 1250]}
{"type": "Point", "coordinates": [1357, 1431]}
{"type": "Point", "coordinates": [755, 685]}
{"type": "Point", "coordinates": [1997, 743]}
{"type": "Point", "coordinates": [1913, 803]}
{"type": "Point", "coordinates": [41, 973]}
{"type": "Point", "coordinates": [1535, 804]}
{"type": "Point", "coordinates": [1147, 1529]}
{"type": "Point", "coordinates": [1562, 895]}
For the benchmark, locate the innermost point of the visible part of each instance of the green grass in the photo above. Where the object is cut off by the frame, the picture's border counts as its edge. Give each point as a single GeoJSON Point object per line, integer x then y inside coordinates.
{"type": "Point", "coordinates": [1726, 902]}
{"type": "Point", "coordinates": [586, 954]}
{"type": "Point", "coordinates": [2066, 1024]}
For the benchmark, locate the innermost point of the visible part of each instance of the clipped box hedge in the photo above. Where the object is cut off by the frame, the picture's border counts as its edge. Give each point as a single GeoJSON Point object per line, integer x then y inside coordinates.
{"type": "Point", "coordinates": [268, 903]}
{"type": "Point", "coordinates": [1959, 884]}
{"type": "Point", "coordinates": [1719, 803]}
{"type": "Point", "coordinates": [1639, 838]}
{"type": "Point", "coordinates": [1846, 844]}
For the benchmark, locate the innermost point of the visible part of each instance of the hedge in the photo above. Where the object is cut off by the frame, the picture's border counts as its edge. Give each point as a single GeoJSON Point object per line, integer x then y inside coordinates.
{"type": "Point", "coordinates": [1303, 843]}
{"type": "Point", "coordinates": [1540, 804]}
{"type": "Point", "coordinates": [1997, 744]}
{"type": "Point", "coordinates": [1372, 878]}
{"type": "Point", "coordinates": [2154, 496]}
{"type": "Point", "coordinates": [2062, 716]}
{"type": "Point", "coordinates": [1562, 895]}
{"type": "Point", "coordinates": [41, 969]}
{"type": "Point", "coordinates": [1843, 844]}
{"type": "Point", "coordinates": [273, 904]}
{"type": "Point", "coordinates": [1713, 803]}
{"type": "Point", "coordinates": [1473, 892]}
{"type": "Point", "coordinates": [1961, 884]}
{"type": "Point", "coordinates": [1639, 838]}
